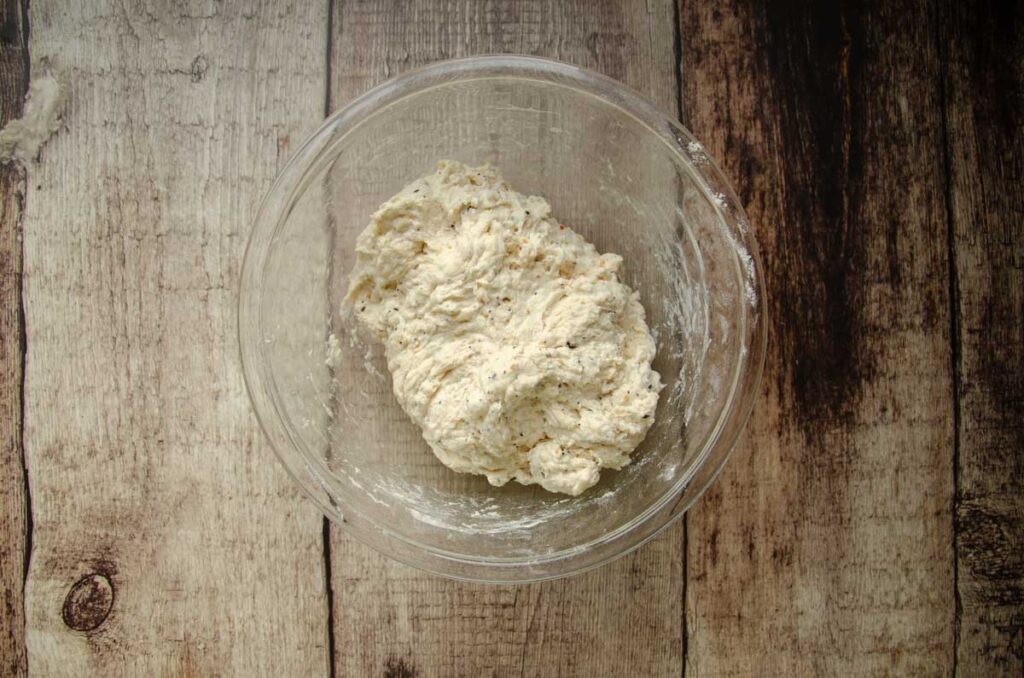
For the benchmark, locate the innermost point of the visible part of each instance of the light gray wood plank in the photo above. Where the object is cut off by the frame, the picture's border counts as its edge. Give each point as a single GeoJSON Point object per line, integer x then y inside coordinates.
{"type": "Point", "coordinates": [623, 619]}
{"type": "Point", "coordinates": [168, 540]}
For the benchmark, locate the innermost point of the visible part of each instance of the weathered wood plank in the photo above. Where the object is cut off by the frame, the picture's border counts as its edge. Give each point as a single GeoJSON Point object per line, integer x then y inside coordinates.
{"type": "Point", "coordinates": [825, 548]}
{"type": "Point", "coordinates": [168, 540]}
{"type": "Point", "coordinates": [624, 619]}
{"type": "Point", "coordinates": [985, 140]}
{"type": "Point", "coordinates": [13, 498]}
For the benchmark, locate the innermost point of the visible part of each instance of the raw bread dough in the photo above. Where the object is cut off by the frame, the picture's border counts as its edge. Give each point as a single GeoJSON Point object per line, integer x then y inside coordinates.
{"type": "Point", "coordinates": [510, 340]}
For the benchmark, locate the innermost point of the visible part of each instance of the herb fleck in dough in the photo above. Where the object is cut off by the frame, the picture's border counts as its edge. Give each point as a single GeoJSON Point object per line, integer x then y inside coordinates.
{"type": "Point", "coordinates": [510, 340]}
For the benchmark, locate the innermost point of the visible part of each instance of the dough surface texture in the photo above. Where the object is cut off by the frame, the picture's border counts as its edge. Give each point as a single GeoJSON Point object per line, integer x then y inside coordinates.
{"type": "Point", "coordinates": [510, 340]}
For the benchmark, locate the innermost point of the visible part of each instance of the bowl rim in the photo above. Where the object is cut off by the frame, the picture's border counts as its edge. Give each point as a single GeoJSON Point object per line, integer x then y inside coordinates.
{"type": "Point", "coordinates": [306, 469]}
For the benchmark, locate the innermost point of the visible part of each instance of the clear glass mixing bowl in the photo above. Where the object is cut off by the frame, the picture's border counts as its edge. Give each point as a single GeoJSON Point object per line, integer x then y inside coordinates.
{"type": "Point", "coordinates": [623, 174]}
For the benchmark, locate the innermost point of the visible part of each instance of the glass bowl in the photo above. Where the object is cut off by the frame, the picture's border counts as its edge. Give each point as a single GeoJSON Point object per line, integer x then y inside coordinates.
{"type": "Point", "coordinates": [627, 177]}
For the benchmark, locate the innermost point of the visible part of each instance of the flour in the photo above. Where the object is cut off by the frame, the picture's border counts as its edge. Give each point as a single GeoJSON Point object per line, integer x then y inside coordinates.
{"type": "Point", "coordinates": [21, 139]}
{"type": "Point", "coordinates": [510, 339]}
{"type": "Point", "coordinates": [333, 351]}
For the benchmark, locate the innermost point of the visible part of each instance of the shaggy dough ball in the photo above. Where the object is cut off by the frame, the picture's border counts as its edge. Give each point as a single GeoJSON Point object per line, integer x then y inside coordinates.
{"type": "Point", "coordinates": [510, 340]}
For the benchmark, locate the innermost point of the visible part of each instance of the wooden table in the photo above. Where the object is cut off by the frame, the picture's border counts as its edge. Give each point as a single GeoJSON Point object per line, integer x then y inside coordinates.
{"type": "Point", "coordinates": [870, 522]}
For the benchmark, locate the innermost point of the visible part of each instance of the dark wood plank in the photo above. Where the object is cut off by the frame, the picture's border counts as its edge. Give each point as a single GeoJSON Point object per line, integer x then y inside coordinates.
{"type": "Point", "coordinates": [984, 83]}
{"type": "Point", "coordinates": [623, 619]}
{"type": "Point", "coordinates": [825, 548]}
{"type": "Point", "coordinates": [14, 510]}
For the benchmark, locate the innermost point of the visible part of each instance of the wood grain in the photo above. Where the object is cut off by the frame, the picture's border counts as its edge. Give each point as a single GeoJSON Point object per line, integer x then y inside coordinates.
{"type": "Point", "coordinates": [825, 548]}
{"type": "Point", "coordinates": [624, 619]}
{"type": "Point", "coordinates": [878, 152]}
{"type": "Point", "coordinates": [14, 526]}
{"type": "Point", "coordinates": [168, 540]}
{"type": "Point", "coordinates": [984, 82]}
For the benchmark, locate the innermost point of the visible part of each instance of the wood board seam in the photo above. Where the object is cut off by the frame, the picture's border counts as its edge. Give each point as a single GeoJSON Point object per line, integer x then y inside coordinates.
{"type": "Point", "coordinates": [328, 71]}
{"type": "Point", "coordinates": [328, 570]}
{"type": "Point", "coordinates": [954, 327]}
{"type": "Point", "coordinates": [331, 671]}
{"type": "Point", "coordinates": [21, 394]}
{"type": "Point", "coordinates": [21, 198]}
{"type": "Point", "coordinates": [684, 553]}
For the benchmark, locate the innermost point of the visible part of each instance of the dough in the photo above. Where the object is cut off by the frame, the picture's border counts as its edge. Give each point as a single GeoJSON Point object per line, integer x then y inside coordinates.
{"type": "Point", "coordinates": [510, 340]}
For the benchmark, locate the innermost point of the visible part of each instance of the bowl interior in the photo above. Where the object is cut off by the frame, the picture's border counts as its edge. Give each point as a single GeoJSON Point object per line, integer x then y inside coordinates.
{"type": "Point", "coordinates": [608, 175]}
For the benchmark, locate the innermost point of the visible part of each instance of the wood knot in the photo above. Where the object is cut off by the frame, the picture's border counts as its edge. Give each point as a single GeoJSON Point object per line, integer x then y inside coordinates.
{"type": "Point", "coordinates": [88, 603]}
